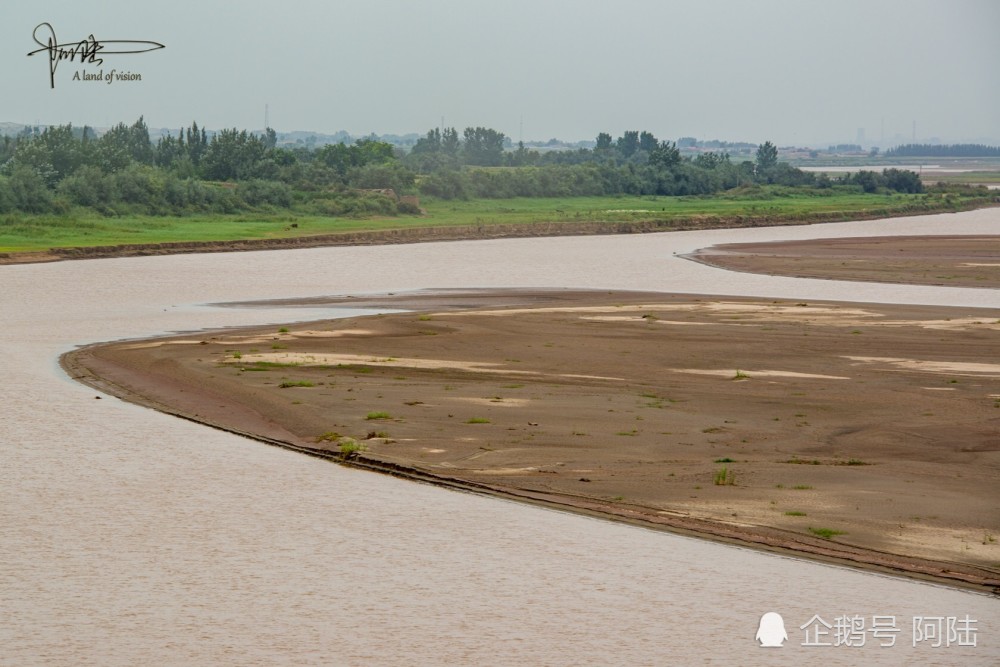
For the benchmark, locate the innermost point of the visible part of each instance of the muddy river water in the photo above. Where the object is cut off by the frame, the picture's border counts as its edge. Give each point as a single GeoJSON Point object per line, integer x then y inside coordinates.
{"type": "Point", "coordinates": [128, 536]}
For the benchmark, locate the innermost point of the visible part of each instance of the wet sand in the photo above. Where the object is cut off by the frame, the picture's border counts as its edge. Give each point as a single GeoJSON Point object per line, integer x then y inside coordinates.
{"type": "Point", "coordinates": [959, 261]}
{"type": "Point", "coordinates": [770, 423]}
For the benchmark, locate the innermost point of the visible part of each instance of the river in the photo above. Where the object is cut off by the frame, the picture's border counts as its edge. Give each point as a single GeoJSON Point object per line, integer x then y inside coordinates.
{"type": "Point", "coordinates": [128, 537]}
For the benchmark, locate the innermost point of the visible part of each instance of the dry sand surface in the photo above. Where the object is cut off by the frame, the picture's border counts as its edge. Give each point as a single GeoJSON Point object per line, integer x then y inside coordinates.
{"type": "Point", "coordinates": [958, 261]}
{"type": "Point", "coordinates": [764, 422]}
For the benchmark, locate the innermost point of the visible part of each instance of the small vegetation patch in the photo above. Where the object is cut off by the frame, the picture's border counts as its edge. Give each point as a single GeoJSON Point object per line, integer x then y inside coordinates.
{"type": "Point", "coordinates": [350, 448]}
{"type": "Point", "coordinates": [378, 415]}
{"type": "Point", "coordinates": [807, 462]}
{"type": "Point", "coordinates": [724, 476]}
{"type": "Point", "coordinates": [826, 533]}
{"type": "Point", "coordinates": [795, 513]}
{"type": "Point", "coordinates": [853, 462]}
{"type": "Point", "coordinates": [477, 420]}
{"type": "Point", "coordinates": [296, 383]}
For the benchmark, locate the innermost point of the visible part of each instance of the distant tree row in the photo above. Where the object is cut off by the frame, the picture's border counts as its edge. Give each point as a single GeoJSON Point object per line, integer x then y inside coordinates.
{"type": "Point", "coordinates": [952, 150]}
{"type": "Point", "coordinates": [122, 171]}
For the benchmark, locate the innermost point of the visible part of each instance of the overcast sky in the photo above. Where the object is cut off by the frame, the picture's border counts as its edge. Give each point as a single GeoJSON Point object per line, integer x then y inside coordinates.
{"type": "Point", "coordinates": [793, 71]}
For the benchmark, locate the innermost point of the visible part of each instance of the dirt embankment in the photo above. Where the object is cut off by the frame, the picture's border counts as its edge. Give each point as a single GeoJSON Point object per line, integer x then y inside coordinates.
{"type": "Point", "coordinates": [863, 434]}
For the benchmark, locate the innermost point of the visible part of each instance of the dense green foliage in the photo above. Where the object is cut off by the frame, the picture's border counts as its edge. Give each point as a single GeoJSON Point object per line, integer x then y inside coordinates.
{"type": "Point", "coordinates": [122, 172]}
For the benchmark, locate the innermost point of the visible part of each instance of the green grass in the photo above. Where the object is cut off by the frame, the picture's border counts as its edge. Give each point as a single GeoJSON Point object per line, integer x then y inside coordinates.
{"type": "Point", "coordinates": [350, 448]}
{"type": "Point", "coordinates": [82, 227]}
{"type": "Point", "coordinates": [795, 513]}
{"type": "Point", "coordinates": [296, 383]}
{"type": "Point", "coordinates": [826, 533]}
{"type": "Point", "coordinates": [378, 415]}
{"type": "Point", "coordinates": [477, 420]}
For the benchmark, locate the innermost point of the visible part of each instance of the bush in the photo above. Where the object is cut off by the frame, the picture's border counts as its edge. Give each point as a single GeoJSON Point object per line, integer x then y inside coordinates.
{"type": "Point", "coordinates": [258, 193]}
{"type": "Point", "coordinates": [28, 191]}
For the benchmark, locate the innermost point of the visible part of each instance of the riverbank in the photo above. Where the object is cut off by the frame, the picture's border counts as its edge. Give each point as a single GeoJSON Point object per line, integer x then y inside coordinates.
{"type": "Point", "coordinates": [857, 434]}
{"type": "Point", "coordinates": [481, 219]}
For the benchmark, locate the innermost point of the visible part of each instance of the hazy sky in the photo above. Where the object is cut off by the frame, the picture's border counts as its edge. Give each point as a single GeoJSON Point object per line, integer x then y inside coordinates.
{"type": "Point", "coordinates": [796, 72]}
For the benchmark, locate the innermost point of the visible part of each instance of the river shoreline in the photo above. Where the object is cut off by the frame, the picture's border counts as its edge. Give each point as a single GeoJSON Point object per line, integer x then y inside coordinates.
{"type": "Point", "coordinates": [463, 233]}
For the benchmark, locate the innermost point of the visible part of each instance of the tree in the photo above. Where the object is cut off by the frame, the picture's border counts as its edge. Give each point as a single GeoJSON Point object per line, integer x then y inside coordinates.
{"type": "Point", "coordinates": [270, 138]}
{"type": "Point", "coordinates": [903, 180]}
{"type": "Point", "coordinates": [665, 155]}
{"type": "Point", "coordinates": [628, 143]}
{"type": "Point", "coordinates": [232, 155]}
{"type": "Point", "coordinates": [767, 157]}
{"type": "Point", "coordinates": [450, 143]}
{"type": "Point", "coordinates": [647, 142]}
{"type": "Point", "coordinates": [429, 144]}
{"type": "Point", "coordinates": [603, 142]}
{"type": "Point", "coordinates": [483, 146]}
{"type": "Point", "coordinates": [197, 143]}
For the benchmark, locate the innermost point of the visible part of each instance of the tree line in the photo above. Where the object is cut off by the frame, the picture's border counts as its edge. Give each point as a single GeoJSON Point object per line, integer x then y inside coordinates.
{"type": "Point", "coordinates": [123, 171]}
{"type": "Point", "coordinates": [951, 150]}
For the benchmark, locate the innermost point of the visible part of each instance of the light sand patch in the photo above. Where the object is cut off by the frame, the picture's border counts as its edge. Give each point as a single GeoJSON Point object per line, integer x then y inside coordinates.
{"type": "Point", "coordinates": [939, 388]}
{"type": "Point", "coordinates": [956, 324]}
{"type": "Point", "coordinates": [950, 367]}
{"type": "Point", "coordinates": [333, 334]}
{"type": "Point", "coordinates": [979, 264]}
{"type": "Point", "coordinates": [941, 541]}
{"type": "Point", "coordinates": [328, 359]}
{"type": "Point", "coordinates": [158, 343]}
{"type": "Point", "coordinates": [803, 312]}
{"type": "Point", "coordinates": [623, 318]}
{"type": "Point", "coordinates": [555, 309]}
{"type": "Point", "coordinates": [503, 402]}
{"type": "Point", "coordinates": [732, 307]}
{"type": "Point", "coordinates": [728, 373]}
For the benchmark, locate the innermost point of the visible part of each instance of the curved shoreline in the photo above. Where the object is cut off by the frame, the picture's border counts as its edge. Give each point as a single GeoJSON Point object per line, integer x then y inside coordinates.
{"type": "Point", "coordinates": [82, 365]}
{"type": "Point", "coordinates": [467, 232]}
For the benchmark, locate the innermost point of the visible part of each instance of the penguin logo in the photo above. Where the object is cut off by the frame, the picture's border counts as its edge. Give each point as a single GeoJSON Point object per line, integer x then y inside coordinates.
{"type": "Point", "coordinates": [771, 631]}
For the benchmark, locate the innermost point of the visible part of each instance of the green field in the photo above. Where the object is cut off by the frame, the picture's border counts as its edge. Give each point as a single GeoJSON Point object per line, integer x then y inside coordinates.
{"type": "Point", "coordinates": [33, 233]}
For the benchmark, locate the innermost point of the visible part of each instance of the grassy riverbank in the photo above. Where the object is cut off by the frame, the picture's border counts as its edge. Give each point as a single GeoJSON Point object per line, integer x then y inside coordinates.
{"type": "Point", "coordinates": [760, 206]}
